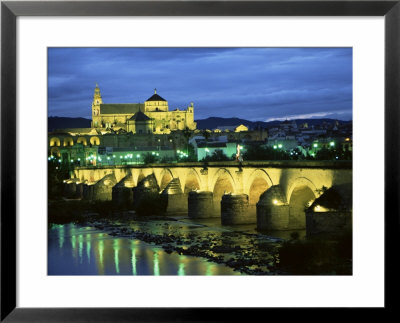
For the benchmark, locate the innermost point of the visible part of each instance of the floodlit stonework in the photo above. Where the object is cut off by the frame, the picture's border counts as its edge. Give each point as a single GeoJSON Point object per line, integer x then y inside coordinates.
{"type": "Point", "coordinates": [152, 116]}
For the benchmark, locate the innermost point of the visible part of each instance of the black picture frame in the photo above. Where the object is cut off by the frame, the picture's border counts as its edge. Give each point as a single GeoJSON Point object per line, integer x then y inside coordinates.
{"type": "Point", "coordinates": [10, 10]}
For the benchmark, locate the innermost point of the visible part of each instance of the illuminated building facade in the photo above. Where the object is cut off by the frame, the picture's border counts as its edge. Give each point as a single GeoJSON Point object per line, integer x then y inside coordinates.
{"type": "Point", "coordinates": [152, 116]}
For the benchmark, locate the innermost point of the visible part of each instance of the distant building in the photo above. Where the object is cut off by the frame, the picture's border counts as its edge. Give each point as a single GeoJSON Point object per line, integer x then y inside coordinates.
{"type": "Point", "coordinates": [205, 149]}
{"type": "Point", "coordinates": [237, 128]}
{"type": "Point", "coordinates": [116, 116]}
{"type": "Point", "coordinates": [284, 144]}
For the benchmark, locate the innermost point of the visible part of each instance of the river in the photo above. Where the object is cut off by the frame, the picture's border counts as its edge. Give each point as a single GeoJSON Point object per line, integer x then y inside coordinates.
{"type": "Point", "coordinates": [85, 250]}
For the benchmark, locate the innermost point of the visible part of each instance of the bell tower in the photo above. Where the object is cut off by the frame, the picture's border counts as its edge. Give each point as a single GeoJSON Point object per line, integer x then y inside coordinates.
{"type": "Point", "coordinates": [97, 100]}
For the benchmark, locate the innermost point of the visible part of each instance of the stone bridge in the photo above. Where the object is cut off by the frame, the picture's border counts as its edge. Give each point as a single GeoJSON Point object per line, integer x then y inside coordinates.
{"type": "Point", "coordinates": [275, 194]}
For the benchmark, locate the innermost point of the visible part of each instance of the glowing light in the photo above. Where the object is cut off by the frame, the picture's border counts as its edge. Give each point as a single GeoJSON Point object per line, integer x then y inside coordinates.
{"type": "Point", "coordinates": [332, 143]}
{"type": "Point", "coordinates": [275, 147]}
{"type": "Point", "coordinates": [275, 201]}
{"type": "Point", "coordinates": [280, 146]}
{"type": "Point", "coordinates": [315, 145]}
{"type": "Point", "coordinates": [138, 156]}
{"type": "Point", "coordinates": [207, 150]}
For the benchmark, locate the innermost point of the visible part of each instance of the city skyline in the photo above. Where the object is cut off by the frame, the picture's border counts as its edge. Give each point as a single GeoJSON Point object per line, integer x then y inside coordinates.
{"type": "Point", "coordinates": [257, 84]}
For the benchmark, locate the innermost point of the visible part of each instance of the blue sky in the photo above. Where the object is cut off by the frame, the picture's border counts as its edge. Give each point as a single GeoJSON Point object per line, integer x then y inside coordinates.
{"type": "Point", "coordinates": [250, 83]}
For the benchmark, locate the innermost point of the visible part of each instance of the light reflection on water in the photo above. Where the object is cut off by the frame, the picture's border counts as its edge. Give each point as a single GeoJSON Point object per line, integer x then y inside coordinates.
{"type": "Point", "coordinates": [74, 250]}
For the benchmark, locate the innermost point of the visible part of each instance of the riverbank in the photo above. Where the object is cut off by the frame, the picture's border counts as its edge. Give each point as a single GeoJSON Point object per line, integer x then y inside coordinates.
{"type": "Point", "coordinates": [239, 247]}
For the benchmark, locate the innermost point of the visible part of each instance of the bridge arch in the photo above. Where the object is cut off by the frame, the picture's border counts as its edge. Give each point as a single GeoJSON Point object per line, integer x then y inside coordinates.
{"type": "Point", "coordinates": [54, 141]}
{"type": "Point", "coordinates": [192, 181]}
{"type": "Point", "coordinates": [300, 195]}
{"type": "Point", "coordinates": [222, 183]}
{"type": "Point", "coordinates": [258, 182]}
{"type": "Point", "coordinates": [165, 177]}
{"type": "Point", "coordinates": [140, 177]}
{"type": "Point", "coordinates": [223, 178]}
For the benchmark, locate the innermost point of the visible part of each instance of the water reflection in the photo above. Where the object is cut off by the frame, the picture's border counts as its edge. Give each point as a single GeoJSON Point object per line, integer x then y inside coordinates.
{"type": "Point", "coordinates": [181, 270]}
{"type": "Point", "coordinates": [133, 258]}
{"type": "Point", "coordinates": [93, 252]}
{"type": "Point", "coordinates": [61, 234]}
{"type": "Point", "coordinates": [116, 255]}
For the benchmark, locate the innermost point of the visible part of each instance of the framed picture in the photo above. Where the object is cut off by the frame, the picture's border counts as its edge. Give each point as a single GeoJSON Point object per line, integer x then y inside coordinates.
{"type": "Point", "coordinates": [31, 287]}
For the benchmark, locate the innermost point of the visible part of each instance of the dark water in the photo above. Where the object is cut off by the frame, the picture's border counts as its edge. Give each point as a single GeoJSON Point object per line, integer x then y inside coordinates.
{"type": "Point", "coordinates": [74, 250]}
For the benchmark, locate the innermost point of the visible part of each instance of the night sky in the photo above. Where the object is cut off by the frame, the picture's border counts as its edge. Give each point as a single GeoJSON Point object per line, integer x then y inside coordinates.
{"type": "Point", "coordinates": [250, 83]}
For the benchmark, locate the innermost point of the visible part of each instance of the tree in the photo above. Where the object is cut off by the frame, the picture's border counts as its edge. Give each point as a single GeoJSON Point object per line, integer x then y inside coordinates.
{"type": "Point", "coordinates": [187, 133]}
{"type": "Point", "coordinates": [206, 134]}
{"type": "Point", "coordinates": [265, 153]}
{"type": "Point", "coordinates": [217, 155]}
{"type": "Point", "coordinates": [149, 158]}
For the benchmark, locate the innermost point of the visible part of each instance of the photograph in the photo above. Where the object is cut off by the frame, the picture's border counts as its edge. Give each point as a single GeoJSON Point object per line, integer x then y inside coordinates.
{"type": "Point", "coordinates": [182, 161]}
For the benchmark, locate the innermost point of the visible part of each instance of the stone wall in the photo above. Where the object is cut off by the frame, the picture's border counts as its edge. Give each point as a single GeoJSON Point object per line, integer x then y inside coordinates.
{"type": "Point", "coordinates": [200, 205]}
{"type": "Point", "coordinates": [234, 210]}
{"type": "Point", "coordinates": [328, 222]}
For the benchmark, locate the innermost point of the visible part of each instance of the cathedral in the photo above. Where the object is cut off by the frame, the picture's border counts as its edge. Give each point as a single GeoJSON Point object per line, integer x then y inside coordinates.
{"type": "Point", "coordinates": [152, 116]}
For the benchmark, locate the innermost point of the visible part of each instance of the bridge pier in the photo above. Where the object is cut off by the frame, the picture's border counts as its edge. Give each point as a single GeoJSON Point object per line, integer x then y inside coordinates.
{"type": "Point", "coordinates": [331, 212]}
{"type": "Point", "coordinates": [122, 193]}
{"type": "Point", "coordinates": [328, 222]}
{"type": "Point", "coordinates": [200, 205]}
{"type": "Point", "coordinates": [69, 189]}
{"type": "Point", "coordinates": [79, 189]}
{"type": "Point", "coordinates": [146, 197]}
{"type": "Point", "coordinates": [234, 209]}
{"type": "Point", "coordinates": [100, 190]}
{"type": "Point", "coordinates": [272, 210]}
{"type": "Point", "coordinates": [87, 192]}
{"type": "Point", "coordinates": [174, 199]}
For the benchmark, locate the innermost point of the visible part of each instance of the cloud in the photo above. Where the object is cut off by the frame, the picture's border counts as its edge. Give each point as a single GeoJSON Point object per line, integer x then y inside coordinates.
{"type": "Point", "coordinates": [269, 82]}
